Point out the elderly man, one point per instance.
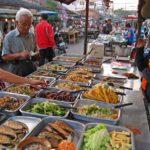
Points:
(19, 44)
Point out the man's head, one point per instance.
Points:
(128, 25)
(24, 20)
(44, 16)
(109, 21)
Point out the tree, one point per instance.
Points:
(52, 4)
(121, 12)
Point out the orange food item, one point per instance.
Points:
(66, 145)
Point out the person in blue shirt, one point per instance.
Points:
(130, 35)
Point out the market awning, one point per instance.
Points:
(19, 3)
(130, 17)
(50, 13)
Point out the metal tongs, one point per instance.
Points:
(115, 107)
(119, 86)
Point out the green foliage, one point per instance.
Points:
(121, 12)
(52, 4)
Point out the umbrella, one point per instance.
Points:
(50, 13)
(130, 17)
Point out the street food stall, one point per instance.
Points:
(83, 93)
(89, 103)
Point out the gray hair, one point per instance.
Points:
(23, 12)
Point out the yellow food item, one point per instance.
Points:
(121, 140)
(102, 92)
(77, 77)
(69, 86)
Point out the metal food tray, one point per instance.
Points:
(90, 65)
(39, 70)
(18, 96)
(62, 59)
(93, 69)
(76, 126)
(73, 55)
(67, 67)
(86, 83)
(119, 80)
(30, 122)
(90, 118)
(40, 100)
(64, 63)
(110, 128)
(2, 117)
(77, 95)
(101, 102)
(65, 81)
(32, 95)
(49, 80)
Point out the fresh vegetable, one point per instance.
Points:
(47, 108)
(98, 138)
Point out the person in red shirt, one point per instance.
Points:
(45, 39)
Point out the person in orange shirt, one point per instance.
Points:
(45, 39)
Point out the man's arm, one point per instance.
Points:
(51, 35)
(23, 55)
(12, 78)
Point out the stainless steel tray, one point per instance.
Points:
(64, 81)
(73, 55)
(21, 92)
(109, 104)
(30, 122)
(64, 59)
(109, 128)
(49, 80)
(77, 95)
(68, 64)
(79, 82)
(99, 65)
(93, 119)
(48, 72)
(49, 69)
(40, 100)
(76, 126)
(92, 69)
(18, 96)
(2, 117)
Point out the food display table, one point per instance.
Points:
(133, 117)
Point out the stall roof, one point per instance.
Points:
(19, 3)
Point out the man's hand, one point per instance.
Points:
(25, 54)
(38, 84)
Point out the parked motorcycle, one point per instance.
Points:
(61, 45)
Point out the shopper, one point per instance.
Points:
(19, 44)
(12, 78)
(108, 26)
(130, 35)
(45, 39)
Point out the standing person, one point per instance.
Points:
(45, 39)
(130, 35)
(18, 44)
(108, 26)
